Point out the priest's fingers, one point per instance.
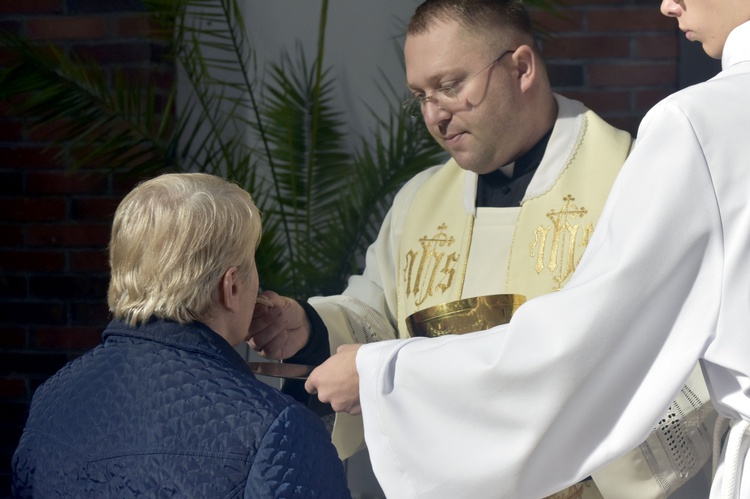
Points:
(280, 330)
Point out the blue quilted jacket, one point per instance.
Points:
(166, 410)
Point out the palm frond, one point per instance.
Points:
(126, 127)
(280, 136)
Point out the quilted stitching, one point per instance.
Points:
(170, 415)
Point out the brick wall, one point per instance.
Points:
(619, 57)
(54, 224)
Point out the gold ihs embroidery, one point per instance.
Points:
(431, 268)
(558, 256)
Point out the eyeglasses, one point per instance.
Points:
(414, 106)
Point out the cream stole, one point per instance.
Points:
(552, 231)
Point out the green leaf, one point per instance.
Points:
(280, 137)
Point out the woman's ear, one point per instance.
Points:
(229, 290)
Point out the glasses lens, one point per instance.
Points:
(412, 107)
(450, 93)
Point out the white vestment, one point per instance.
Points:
(422, 258)
(368, 310)
(580, 376)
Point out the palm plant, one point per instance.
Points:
(281, 139)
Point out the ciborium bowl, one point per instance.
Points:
(464, 316)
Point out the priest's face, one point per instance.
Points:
(473, 106)
(708, 21)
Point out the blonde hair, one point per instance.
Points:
(173, 237)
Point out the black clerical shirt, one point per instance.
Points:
(497, 190)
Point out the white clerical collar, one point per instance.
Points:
(507, 170)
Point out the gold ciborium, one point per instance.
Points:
(464, 316)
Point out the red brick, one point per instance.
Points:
(165, 79)
(32, 261)
(646, 99)
(6, 105)
(135, 26)
(632, 74)
(581, 47)
(125, 182)
(15, 27)
(627, 123)
(12, 337)
(110, 6)
(623, 19)
(68, 235)
(8, 7)
(91, 314)
(162, 79)
(65, 183)
(66, 338)
(566, 75)
(11, 235)
(119, 53)
(95, 208)
(11, 388)
(13, 286)
(87, 261)
(603, 101)
(657, 47)
(86, 163)
(78, 286)
(46, 49)
(11, 130)
(29, 157)
(565, 21)
(6, 59)
(47, 132)
(37, 364)
(11, 182)
(32, 209)
(33, 313)
(67, 28)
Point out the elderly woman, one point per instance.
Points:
(165, 406)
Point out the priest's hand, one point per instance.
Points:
(280, 327)
(336, 381)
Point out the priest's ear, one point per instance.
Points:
(525, 60)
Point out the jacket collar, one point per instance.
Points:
(194, 337)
